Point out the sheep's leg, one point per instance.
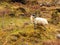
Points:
(44, 27)
(35, 26)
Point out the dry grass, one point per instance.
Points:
(27, 35)
(19, 31)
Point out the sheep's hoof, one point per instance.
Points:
(44, 30)
(35, 28)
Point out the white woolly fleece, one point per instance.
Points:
(39, 20)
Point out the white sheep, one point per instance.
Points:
(38, 21)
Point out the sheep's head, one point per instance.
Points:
(34, 15)
(32, 18)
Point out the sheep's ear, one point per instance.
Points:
(33, 14)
